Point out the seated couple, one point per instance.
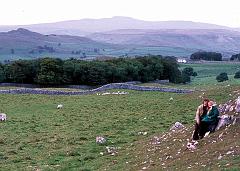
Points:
(206, 119)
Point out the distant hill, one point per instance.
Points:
(221, 40)
(87, 26)
(22, 43)
(114, 37)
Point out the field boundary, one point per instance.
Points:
(100, 89)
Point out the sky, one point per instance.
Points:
(21, 12)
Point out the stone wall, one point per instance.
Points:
(103, 88)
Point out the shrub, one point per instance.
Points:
(209, 56)
(185, 78)
(222, 77)
(188, 71)
(194, 74)
(237, 74)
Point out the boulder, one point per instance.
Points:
(3, 117)
(177, 126)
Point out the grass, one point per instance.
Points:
(37, 136)
(46, 136)
(206, 78)
(213, 69)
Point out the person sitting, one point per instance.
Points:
(211, 118)
(206, 119)
(200, 127)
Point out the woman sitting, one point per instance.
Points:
(206, 119)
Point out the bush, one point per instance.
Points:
(235, 57)
(237, 74)
(194, 74)
(208, 56)
(222, 77)
(188, 71)
(185, 78)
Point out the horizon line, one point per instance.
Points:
(54, 22)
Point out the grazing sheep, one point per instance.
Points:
(122, 93)
(60, 106)
(3, 117)
(171, 98)
(106, 93)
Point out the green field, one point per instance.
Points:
(37, 136)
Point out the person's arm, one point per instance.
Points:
(197, 117)
(214, 113)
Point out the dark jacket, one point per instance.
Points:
(212, 116)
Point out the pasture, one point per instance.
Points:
(38, 136)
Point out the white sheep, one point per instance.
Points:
(3, 117)
(60, 106)
(107, 93)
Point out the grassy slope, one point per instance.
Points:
(38, 136)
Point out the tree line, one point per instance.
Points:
(208, 56)
(54, 71)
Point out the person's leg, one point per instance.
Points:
(196, 132)
(203, 129)
(212, 127)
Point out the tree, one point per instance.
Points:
(185, 78)
(2, 73)
(170, 70)
(50, 71)
(222, 77)
(235, 57)
(22, 71)
(194, 74)
(12, 51)
(208, 56)
(237, 74)
(188, 71)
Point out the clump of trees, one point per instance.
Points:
(235, 57)
(53, 71)
(187, 73)
(237, 74)
(222, 77)
(208, 56)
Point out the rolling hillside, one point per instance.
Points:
(225, 41)
(22, 43)
(117, 36)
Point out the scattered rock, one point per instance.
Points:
(192, 145)
(229, 152)
(220, 157)
(100, 140)
(224, 120)
(112, 150)
(177, 126)
(3, 117)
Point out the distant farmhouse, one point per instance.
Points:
(181, 60)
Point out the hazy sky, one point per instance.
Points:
(222, 12)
